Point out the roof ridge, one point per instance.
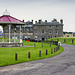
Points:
(8, 18)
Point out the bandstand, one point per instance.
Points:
(7, 20)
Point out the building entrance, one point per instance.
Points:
(43, 38)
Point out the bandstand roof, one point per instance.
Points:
(7, 19)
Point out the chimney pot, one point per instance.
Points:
(61, 21)
(45, 20)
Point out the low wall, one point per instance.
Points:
(11, 44)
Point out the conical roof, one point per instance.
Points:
(7, 19)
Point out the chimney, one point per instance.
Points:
(23, 20)
(35, 22)
(45, 20)
(32, 21)
(54, 19)
(40, 21)
(61, 21)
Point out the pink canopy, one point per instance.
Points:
(10, 19)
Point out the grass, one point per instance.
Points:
(7, 55)
(7, 40)
(61, 39)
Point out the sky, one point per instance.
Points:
(42, 9)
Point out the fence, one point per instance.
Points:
(40, 53)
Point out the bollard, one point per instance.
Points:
(42, 45)
(72, 40)
(50, 45)
(46, 52)
(64, 40)
(34, 44)
(54, 50)
(58, 47)
(39, 53)
(57, 39)
(28, 54)
(51, 51)
(16, 56)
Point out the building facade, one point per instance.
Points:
(42, 30)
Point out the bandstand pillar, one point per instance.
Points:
(20, 33)
(9, 32)
(14, 34)
(3, 34)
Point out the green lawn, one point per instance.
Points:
(61, 39)
(7, 55)
(7, 40)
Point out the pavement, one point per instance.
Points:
(62, 64)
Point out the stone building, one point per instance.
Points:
(68, 35)
(38, 31)
(46, 30)
(43, 30)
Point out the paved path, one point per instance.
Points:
(62, 64)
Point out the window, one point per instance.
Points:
(28, 37)
(15, 37)
(56, 26)
(55, 36)
(43, 31)
(31, 29)
(25, 37)
(50, 26)
(17, 27)
(11, 27)
(20, 36)
(56, 32)
(36, 31)
(27, 29)
(50, 32)
(36, 37)
(48, 36)
(23, 28)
